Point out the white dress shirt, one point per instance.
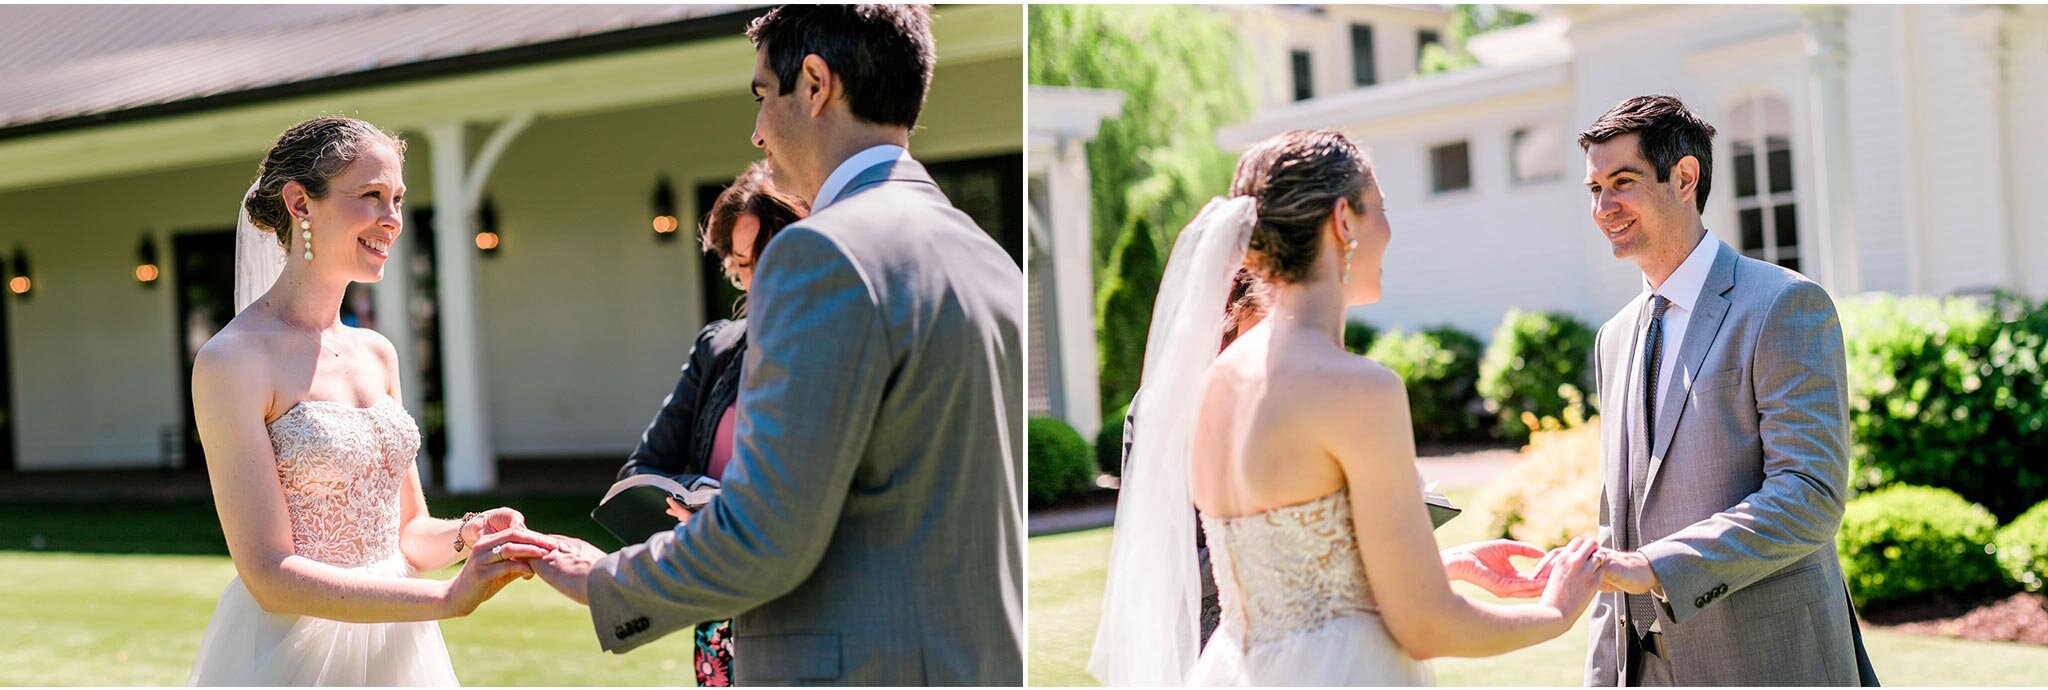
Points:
(1682, 287)
(842, 175)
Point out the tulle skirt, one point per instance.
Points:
(1355, 650)
(248, 646)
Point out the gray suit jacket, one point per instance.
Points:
(1748, 475)
(871, 527)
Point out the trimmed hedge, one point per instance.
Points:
(1950, 393)
(1060, 463)
(1123, 312)
(1109, 443)
(1359, 336)
(1905, 542)
(1533, 359)
(2023, 549)
(1441, 369)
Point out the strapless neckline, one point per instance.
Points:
(1303, 505)
(382, 400)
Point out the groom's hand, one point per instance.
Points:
(1488, 564)
(1628, 572)
(567, 568)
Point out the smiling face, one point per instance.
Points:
(779, 130)
(1643, 220)
(355, 226)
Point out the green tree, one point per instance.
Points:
(1123, 312)
(1466, 21)
(1180, 70)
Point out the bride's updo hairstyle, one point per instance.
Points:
(311, 153)
(1296, 179)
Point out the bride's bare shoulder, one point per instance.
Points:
(239, 352)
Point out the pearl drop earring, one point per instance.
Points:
(306, 231)
(1350, 245)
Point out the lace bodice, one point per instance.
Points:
(342, 468)
(1288, 570)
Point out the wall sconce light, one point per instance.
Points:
(20, 284)
(146, 270)
(487, 238)
(665, 223)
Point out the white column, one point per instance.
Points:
(392, 298)
(471, 463)
(1827, 66)
(1074, 285)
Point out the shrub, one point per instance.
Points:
(1059, 461)
(1123, 312)
(1441, 369)
(2023, 549)
(1536, 362)
(1905, 542)
(1359, 335)
(1109, 443)
(1950, 393)
(1553, 492)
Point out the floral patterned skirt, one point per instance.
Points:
(714, 655)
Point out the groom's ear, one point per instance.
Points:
(1686, 173)
(815, 84)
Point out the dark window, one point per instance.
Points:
(1780, 159)
(991, 191)
(1766, 212)
(1450, 167)
(1362, 71)
(1304, 78)
(1745, 169)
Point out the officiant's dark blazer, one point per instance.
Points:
(678, 440)
(870, 530)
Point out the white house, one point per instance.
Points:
(1891, 148)
(1063, 368)
(538, 310)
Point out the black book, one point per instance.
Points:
(636, 508)
(1440, 508)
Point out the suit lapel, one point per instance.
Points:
(1708, 312)
(1613, 395)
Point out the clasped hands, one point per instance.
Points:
(1489, 564)
(504, 549)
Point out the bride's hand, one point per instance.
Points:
(1574, 578)
(678, 511)
(491, 522)
(497, 560)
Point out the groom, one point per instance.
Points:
(870, 529)
(1726, 452)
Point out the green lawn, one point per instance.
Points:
(1067, 573)
(91, 609)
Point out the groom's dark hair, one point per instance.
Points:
(883, 54)
(1666, 133)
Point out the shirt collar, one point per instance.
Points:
(843, 175)
(1684, 285)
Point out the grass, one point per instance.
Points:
(120, 594)
(1067, 571)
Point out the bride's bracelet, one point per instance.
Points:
(460, 546)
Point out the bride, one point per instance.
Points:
(309, 452)
(1300, 458)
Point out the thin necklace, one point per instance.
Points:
(302, 333)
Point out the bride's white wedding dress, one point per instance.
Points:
(342, 468)
(1297, 609)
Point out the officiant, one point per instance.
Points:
(692, 433)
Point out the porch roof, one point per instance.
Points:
(78, 66)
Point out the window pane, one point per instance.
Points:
(1450, 167)
(1362, 72)
(1423, 39)
(1532, 154)
(1789, 261)
(1304, 84)
(1745, 171)
(1787, 229)
(1781, 164)
(1752, 228)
